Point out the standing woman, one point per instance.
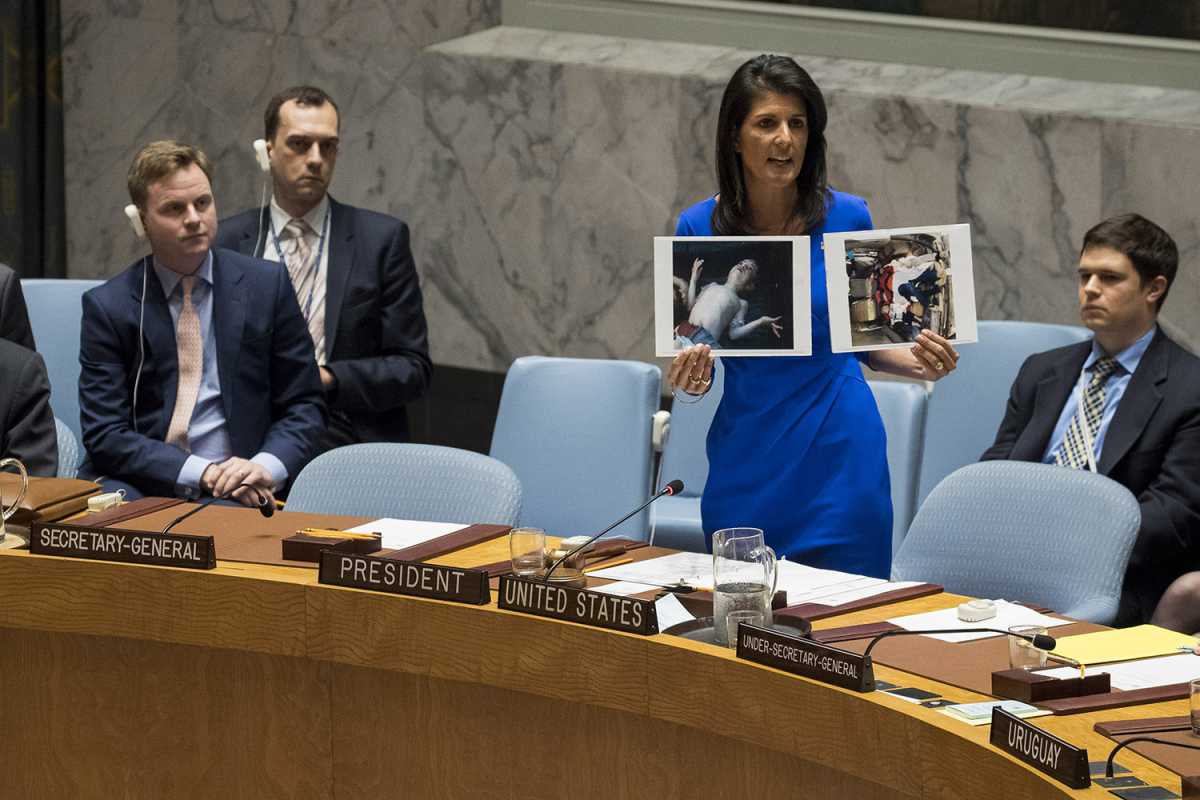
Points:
(797, 447)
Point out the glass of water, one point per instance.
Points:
(1021, 652)
(527, 548)
(1194, 686)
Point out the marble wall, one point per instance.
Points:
(203, 70)
(558, 156)
(535, 167)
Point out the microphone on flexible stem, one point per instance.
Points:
(265, 506)
(674, 487)
(1039, 640)
(1108, 768)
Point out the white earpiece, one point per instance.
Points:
(135, 220)
(261, 156)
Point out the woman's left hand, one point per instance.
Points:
(936, 357)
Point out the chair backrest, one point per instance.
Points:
(902, 407)
(1020, 531)
(56, 314)
(684, 454)
(966, 407)
(577, 433)
(68, 450)
(408, 481)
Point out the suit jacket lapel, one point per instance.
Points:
(229, 316)
(158, 331)
(248, 245)
(1050, 397)
(1138, 403)
(337, 273)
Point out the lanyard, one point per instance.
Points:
(316, 264)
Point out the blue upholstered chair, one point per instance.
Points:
(408, 481)
(1020, 531)
(677, 519)
(68, 450)
(902, 407)
(55, 314)
(578, 434)
(966, 407)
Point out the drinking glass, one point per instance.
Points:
(527, 548)
(5, 513)
(751, 616)
(1021, 652)
(744, 576)
(1194, 687)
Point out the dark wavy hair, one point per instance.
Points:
(1148, 247)
(781, 75)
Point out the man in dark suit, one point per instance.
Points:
(14, 316)
(352, 270)
(1126, 404)
(197, 372)
(27, 430)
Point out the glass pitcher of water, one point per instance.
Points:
(744, 576)
(5, 513)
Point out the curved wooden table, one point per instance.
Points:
(255, 681)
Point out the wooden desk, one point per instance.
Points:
(254, 681)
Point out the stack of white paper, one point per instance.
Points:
(1007, 615)
(1143, 673)
(401, 533)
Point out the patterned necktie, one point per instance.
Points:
(1073, 452)
(303, 272)
(190, 355)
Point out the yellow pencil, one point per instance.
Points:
(329, 533)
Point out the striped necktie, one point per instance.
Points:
(305, 274)
(1073, 452)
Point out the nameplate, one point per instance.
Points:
(578, 605)
(413, 578)
(132, 547)
(1040, 750)
(806, 658)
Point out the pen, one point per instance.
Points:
(1183, 648)
(328, 533)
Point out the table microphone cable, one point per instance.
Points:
(264, 505)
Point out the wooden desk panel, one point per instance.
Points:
(282, 688)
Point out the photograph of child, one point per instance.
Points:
(897, 283)
(739, 296)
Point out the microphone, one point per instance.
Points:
(672, 488)
(265, 506)
(1108, 768)
(1040, 640)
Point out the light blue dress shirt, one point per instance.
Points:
(1114, 389)
(208, 434)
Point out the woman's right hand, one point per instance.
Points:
(691, 370)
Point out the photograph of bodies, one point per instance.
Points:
(742, 297)
(893, 284)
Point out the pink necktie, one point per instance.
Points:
(190, 354)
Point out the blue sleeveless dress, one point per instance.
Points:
(797, 447)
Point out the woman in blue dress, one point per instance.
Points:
(796, 447)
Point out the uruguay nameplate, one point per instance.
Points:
(806, 658)
(112, 544)
(578, 605)
(414, 578)
(1042, 751)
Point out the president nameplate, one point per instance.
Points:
(1043, 751)
(132, 547)
(578, 605)
(806, 658)
(412, 578)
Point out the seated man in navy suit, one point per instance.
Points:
(352, 270)
(197, 372)
(1125, 405)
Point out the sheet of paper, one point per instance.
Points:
(695, 569)
(670, 612)
(1122, 644)
(1143, 673)
(623, 588)
(1007, 615)
(861, 593)
(401, 533)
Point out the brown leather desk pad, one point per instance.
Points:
(242, 534)
(1176, 759)
(47, 499)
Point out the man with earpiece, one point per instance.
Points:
(196, 369)
(352, 271)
